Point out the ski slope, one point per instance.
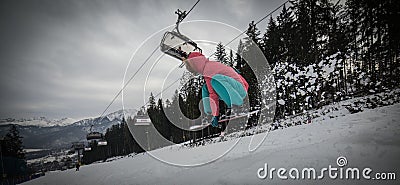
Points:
(367, 139)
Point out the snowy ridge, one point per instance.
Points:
(41, 122)
(45, 122)
(115, 116)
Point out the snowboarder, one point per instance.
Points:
(77, 165)
(222, 82)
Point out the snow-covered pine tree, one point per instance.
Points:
(220, 54)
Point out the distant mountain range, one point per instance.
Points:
(38, 121)
(49, 134)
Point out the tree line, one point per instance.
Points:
(119, 142)
(325, 51)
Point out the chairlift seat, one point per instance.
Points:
(177, 45)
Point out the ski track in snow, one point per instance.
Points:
(367, 139)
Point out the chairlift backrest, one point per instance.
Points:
(177, 45)
(102, 143)
(94, 135)
(142, 120)
(78, 145)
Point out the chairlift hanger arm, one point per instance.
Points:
(182, 15)
(148, 58)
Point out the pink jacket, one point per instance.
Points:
(208, 69)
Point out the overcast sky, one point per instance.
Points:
(67, 58)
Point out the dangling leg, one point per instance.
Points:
(230, 91)
(206, 100)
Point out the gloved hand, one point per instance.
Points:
(214, 121)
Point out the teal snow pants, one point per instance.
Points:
(228, 89)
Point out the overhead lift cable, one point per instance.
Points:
(181, 16)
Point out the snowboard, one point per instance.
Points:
(229, 118)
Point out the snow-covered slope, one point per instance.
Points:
(367, 139)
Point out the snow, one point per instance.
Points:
(367, 139)
(302, 92)
(281, 102)
(29, 150)
(43, 159)
(328, 69)
(57, 156)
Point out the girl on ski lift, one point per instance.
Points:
(222, 82)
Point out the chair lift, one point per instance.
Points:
(174, 43)
(142, 120)
(96, 136)
(93, 135)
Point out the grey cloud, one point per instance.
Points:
(67, 58)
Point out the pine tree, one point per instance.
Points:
(220, 54)
(253, 33)
(272, 43)
(152, 103)
(285, 36)
(14, 147)
(231, 60)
